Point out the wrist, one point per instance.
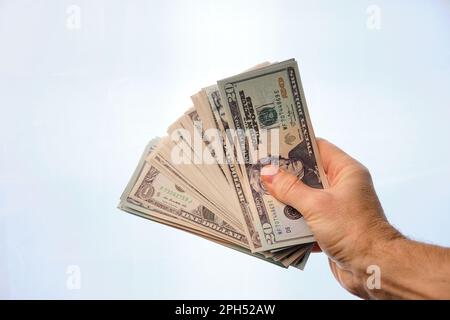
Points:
(374, 243)
(379, 247)
(400, 268)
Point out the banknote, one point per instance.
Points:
(216, 106)
(195, 181)
(154, 190)
(264, 101)
(198, 220)
(124, 207)
(153, 193)
(204, 178)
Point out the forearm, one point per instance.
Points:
(408, 270)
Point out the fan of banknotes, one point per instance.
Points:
(204, 177)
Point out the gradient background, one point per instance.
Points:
(78, 106)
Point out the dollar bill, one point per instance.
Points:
(217, 109)
(259, 117)
(198, 220)
(261, 101)
(154, 190)
(192, 179)
(150, 192)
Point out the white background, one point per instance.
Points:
(78, 106)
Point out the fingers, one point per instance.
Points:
(347, 280)
(288, 189)
(334, 160)
(329, 154)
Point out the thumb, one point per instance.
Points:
(288, 189)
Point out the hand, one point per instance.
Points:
(346, 219)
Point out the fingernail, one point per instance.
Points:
(268, 173)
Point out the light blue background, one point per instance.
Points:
(79, 105)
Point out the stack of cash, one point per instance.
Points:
(204, 177)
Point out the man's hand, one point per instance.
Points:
(349, 225)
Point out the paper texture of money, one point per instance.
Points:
(204, 176)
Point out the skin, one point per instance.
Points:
(350, 227)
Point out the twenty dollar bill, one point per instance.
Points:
(271, 100)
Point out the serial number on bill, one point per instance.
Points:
(226, 309)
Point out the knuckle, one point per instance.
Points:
(288, 186)
(364, 171)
